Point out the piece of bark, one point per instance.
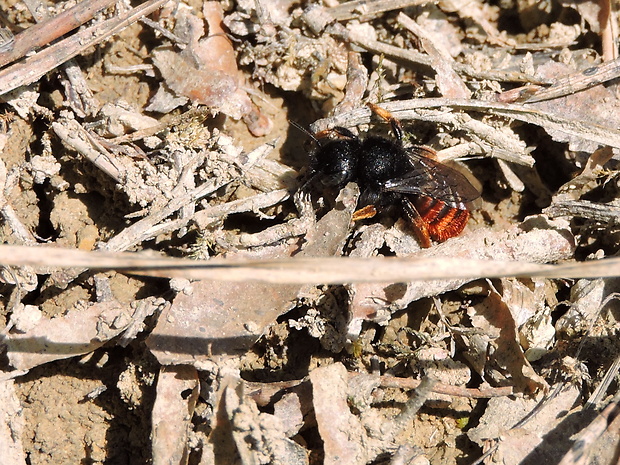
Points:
(172, 414)
(342, 433)
(78, 332)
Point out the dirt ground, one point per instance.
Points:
(185, 146)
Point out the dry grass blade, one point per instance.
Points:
(306, 270)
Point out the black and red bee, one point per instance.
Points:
(434, 197)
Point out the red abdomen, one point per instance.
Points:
(442, 220)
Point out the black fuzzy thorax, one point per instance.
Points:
(380, 160)
(369, 163)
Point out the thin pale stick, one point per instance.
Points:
(304, 270)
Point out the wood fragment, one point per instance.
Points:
(254, 203)
(343, 435)
(357, 81)
(608, 418)
(177, 393)
(413, 405)
(33, 68)
(609, 30)
(78, 94)
(604, 212)
(47, 32)
(585, 79)
(20, 232)
(264, 393)
(423, 62)
(76, 137)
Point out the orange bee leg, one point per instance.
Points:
(420, 226)
(397, 128)
(369, 211)
(334, 133)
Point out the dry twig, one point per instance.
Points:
(48, 31)
(33, 68)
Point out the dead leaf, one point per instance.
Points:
(586, 297)
(544, 439)
(216, 319)
(531, 314)
(206, 70)
(498, 328)
(578, 107)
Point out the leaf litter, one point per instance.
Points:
(173, 139)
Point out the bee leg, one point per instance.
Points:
(336, 133)
(419, 225)
(397, 128)
(369, 211)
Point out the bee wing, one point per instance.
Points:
(431, 178)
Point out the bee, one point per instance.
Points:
(435, 198)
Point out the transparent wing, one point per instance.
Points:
(431, 178)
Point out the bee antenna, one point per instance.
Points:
(304, 130)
